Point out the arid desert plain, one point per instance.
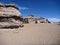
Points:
(31, 34)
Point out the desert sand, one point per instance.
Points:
(31, 34)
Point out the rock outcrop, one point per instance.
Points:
(43, 20)
(32, 19)
(10, 17)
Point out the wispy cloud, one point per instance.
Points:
(54, 19)
(23, 8)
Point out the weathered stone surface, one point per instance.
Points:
(32, 19)
(10, 17)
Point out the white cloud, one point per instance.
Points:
(23, 8)
(54, 19)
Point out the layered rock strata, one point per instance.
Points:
(10, 17)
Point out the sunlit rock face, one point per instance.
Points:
(10, 17)
(31, 18)
(43, 20)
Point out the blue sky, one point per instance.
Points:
(39, 8)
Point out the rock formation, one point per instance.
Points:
(43, 20)
(31, 18)
(10, 17)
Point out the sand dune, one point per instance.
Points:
(32, 34)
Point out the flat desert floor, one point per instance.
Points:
(31, 34)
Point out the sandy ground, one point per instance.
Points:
(32, 34)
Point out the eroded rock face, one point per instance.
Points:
(9, 22)
(10, 17)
